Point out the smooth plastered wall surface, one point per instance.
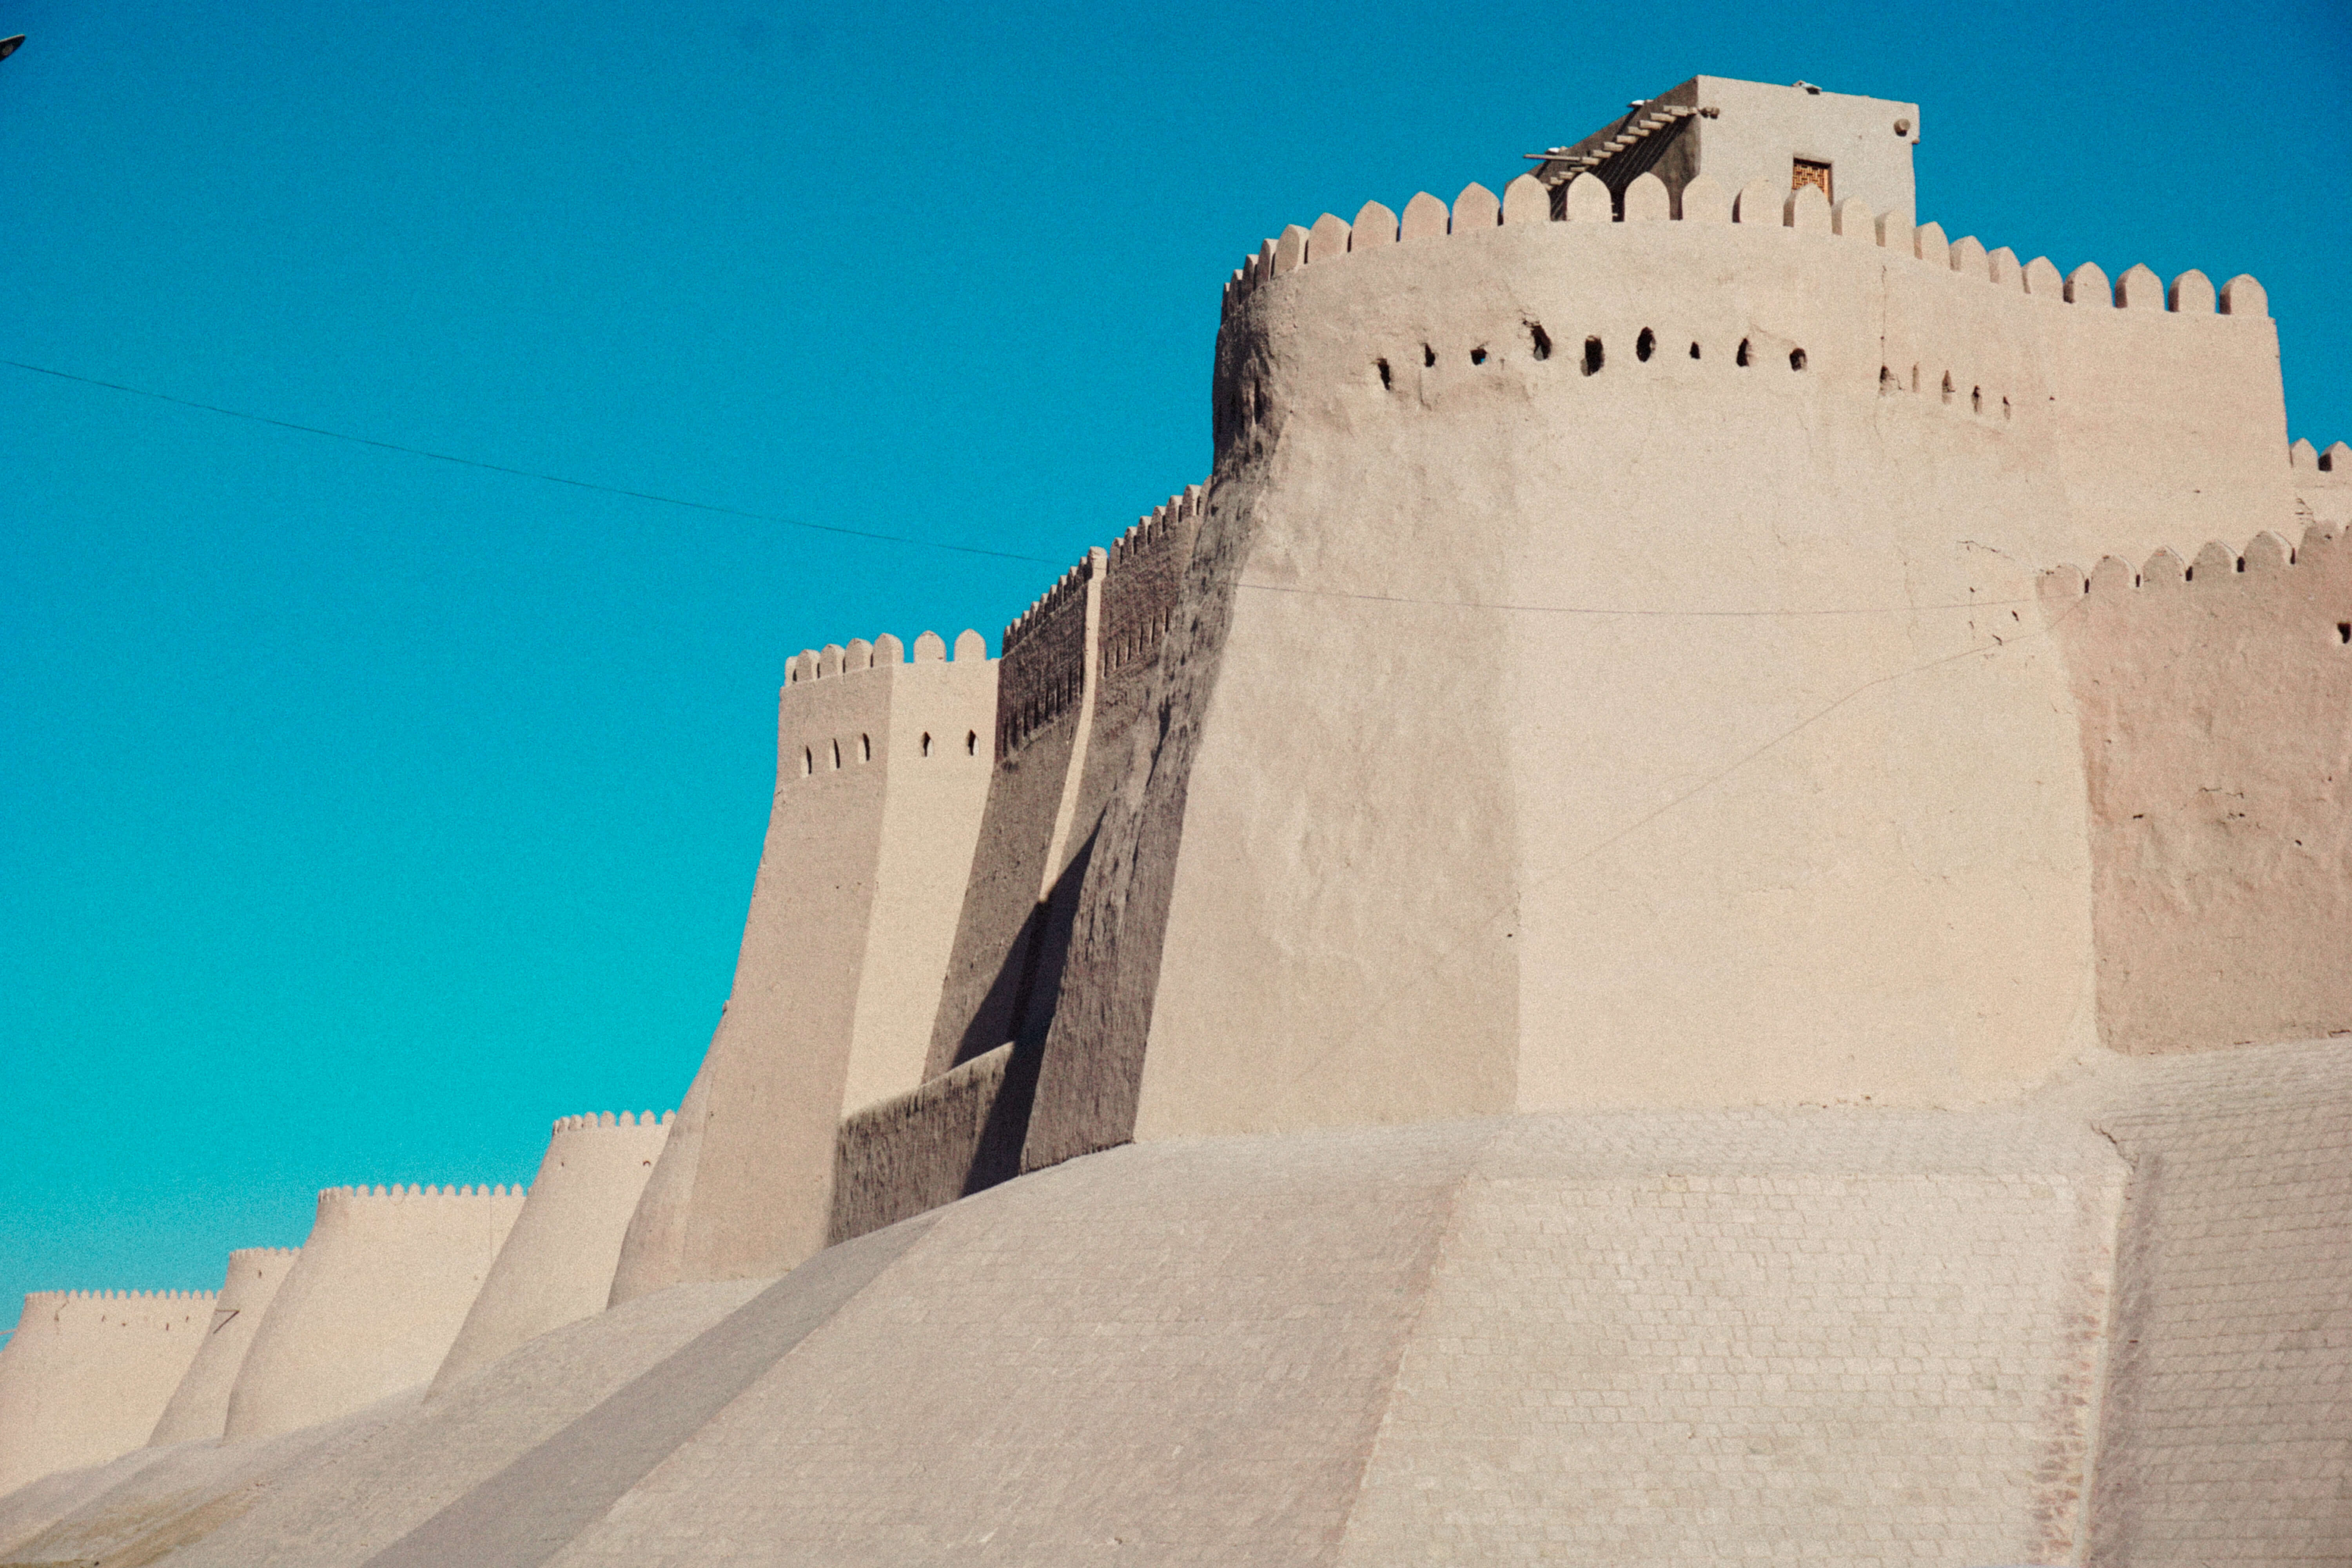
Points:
(371, 1307)
(1690, 700)
(557, 1264)
(882, 775)
(87, 1373)
(199, 1407)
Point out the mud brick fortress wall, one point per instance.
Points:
(1716, 859)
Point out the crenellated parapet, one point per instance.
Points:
(607, 1119)
(2214, 695)
(87, 1373)
(2322, 477)
(883, 757)
(1077, 667)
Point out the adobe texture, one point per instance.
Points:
(1603, 946)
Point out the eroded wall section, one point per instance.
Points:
(2215, 699)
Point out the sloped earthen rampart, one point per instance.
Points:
(557, 1264)
(87, 1373)
(370, 1307)
(1690, 736)
(199, 1405)
(882, 774)
(2215, 702)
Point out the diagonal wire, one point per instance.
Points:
(530, 473)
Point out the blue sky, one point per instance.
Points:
(358, 814)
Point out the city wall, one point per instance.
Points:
(557, 1264)
(1699, 742)
(88, 1373)
(882, 774)
(199, 1405)
(2215, 702)
(371, 1307)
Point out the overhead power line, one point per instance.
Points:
(881, 538)
(532, 473)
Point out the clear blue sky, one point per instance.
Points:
(358, 814)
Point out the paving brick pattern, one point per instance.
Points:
(1169, 1354)
(2228, 1432)
(1859, 1339)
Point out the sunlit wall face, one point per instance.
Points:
(359, 813)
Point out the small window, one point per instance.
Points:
(927, 744)
(865, 748)
(1976, 400)
(1949, 390)
(836, 755)
(1796, 359)
(1478, 356)
(1593, 356)
(971, 743)
(808, 762)
(1645, 345)
(1740, 359)
(1804, 171)
(1693, 350)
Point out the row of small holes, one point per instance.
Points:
(1595, 354)
(866, 751)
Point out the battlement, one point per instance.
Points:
(1760, 203)
(2335, 460)
(625, 1119)
(2216, 565)
(397, 1193)
(51, 1298)
(885, 652)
